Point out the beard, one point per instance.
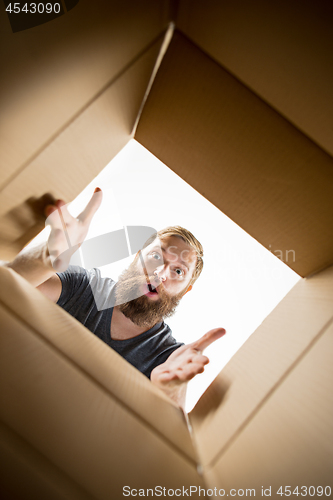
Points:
(140, 310)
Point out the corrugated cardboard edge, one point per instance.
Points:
(266, 360)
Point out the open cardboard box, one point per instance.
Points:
(240, 108)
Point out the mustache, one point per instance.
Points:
(133, 302)
(135, 280)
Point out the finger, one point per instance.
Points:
(193, 356)
(189, 356)
(208, 338)
(92, 206)
(193, 369)
(200, 358)
(189, 371)
(181, 374)
(167, 376)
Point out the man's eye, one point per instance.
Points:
(155, 256)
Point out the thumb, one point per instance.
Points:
(208, 338)
(95, 202)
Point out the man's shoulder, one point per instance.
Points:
(101, 288)
(93, 275)
(78, 280)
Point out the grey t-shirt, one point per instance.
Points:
(145, 352)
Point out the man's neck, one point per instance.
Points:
(123, 328)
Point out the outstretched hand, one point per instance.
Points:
(182, 365)
(67, 232)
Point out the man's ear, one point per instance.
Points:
(188, 289)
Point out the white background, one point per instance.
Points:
(241, 282)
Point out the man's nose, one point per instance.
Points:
(160, 273)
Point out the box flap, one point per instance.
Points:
(38, 477)
(281, 50)
(71, 340)
(243, 156)
(65, 393)
(261, 365)
(65, 165)
(289, 439)
(52, 72)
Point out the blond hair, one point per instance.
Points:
(189, 238)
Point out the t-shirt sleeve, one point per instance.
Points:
(73, 282)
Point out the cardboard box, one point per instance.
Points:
(240, 108)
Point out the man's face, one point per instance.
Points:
(151, 288)
(171, 262)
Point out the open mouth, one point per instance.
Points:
(152, 289)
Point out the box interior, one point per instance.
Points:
(240, 108)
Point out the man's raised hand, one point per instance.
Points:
(182, 365)
(67, 232)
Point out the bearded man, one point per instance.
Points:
(128, 315)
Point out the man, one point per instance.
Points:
(131, 321)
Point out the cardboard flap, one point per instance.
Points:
(243, 156)
(26, 474)
(289, 439)
(52, 72)
(72, 159)
(261, 365)
(281, 50)
(67, 393)
(69, 338)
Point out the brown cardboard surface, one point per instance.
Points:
(66, 165)
(289, 442)
(282, 50)
(26, 474)
(51, 72)
(66, 337)
(261, 365)
(67, 417)
(242, 155)
(76, 409)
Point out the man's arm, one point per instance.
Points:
(182, 365)
(39, 264)
(34, 264)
